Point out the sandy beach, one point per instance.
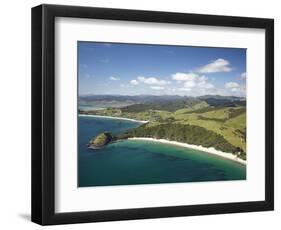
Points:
(117, 118)
(211, 150)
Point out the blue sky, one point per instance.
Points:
(133, 69)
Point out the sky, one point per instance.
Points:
(135, 69)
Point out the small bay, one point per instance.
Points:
(132, 162)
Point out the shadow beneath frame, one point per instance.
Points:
(25, 216)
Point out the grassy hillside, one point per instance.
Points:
(170, 106)
(222, 121)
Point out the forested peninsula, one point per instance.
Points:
(218, 122)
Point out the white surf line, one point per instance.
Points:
(117, 118)
(210, 150)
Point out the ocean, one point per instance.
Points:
(131, 162)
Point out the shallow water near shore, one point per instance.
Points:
(132, 162)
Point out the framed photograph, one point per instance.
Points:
(141, 114)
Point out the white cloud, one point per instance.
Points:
(112, 78)
(235, 88)
(243, 75)
(126, 86)
(219, 65)
(157, 87)
(189, 84)
(134, 82)
(184, 89)
(202, 79)
(205, 85)
(149, 81)
(152, 81)
(184, 76)
(231, 85)
(193, 82)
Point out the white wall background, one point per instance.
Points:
(15, 114)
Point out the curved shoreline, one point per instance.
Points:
(110, 117)
(211, 150)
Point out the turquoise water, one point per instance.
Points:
(143, 162)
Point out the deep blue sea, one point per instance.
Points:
(132, 162)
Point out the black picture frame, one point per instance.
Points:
(43, 114)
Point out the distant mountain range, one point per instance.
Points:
(126, 100)
(135, 98)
